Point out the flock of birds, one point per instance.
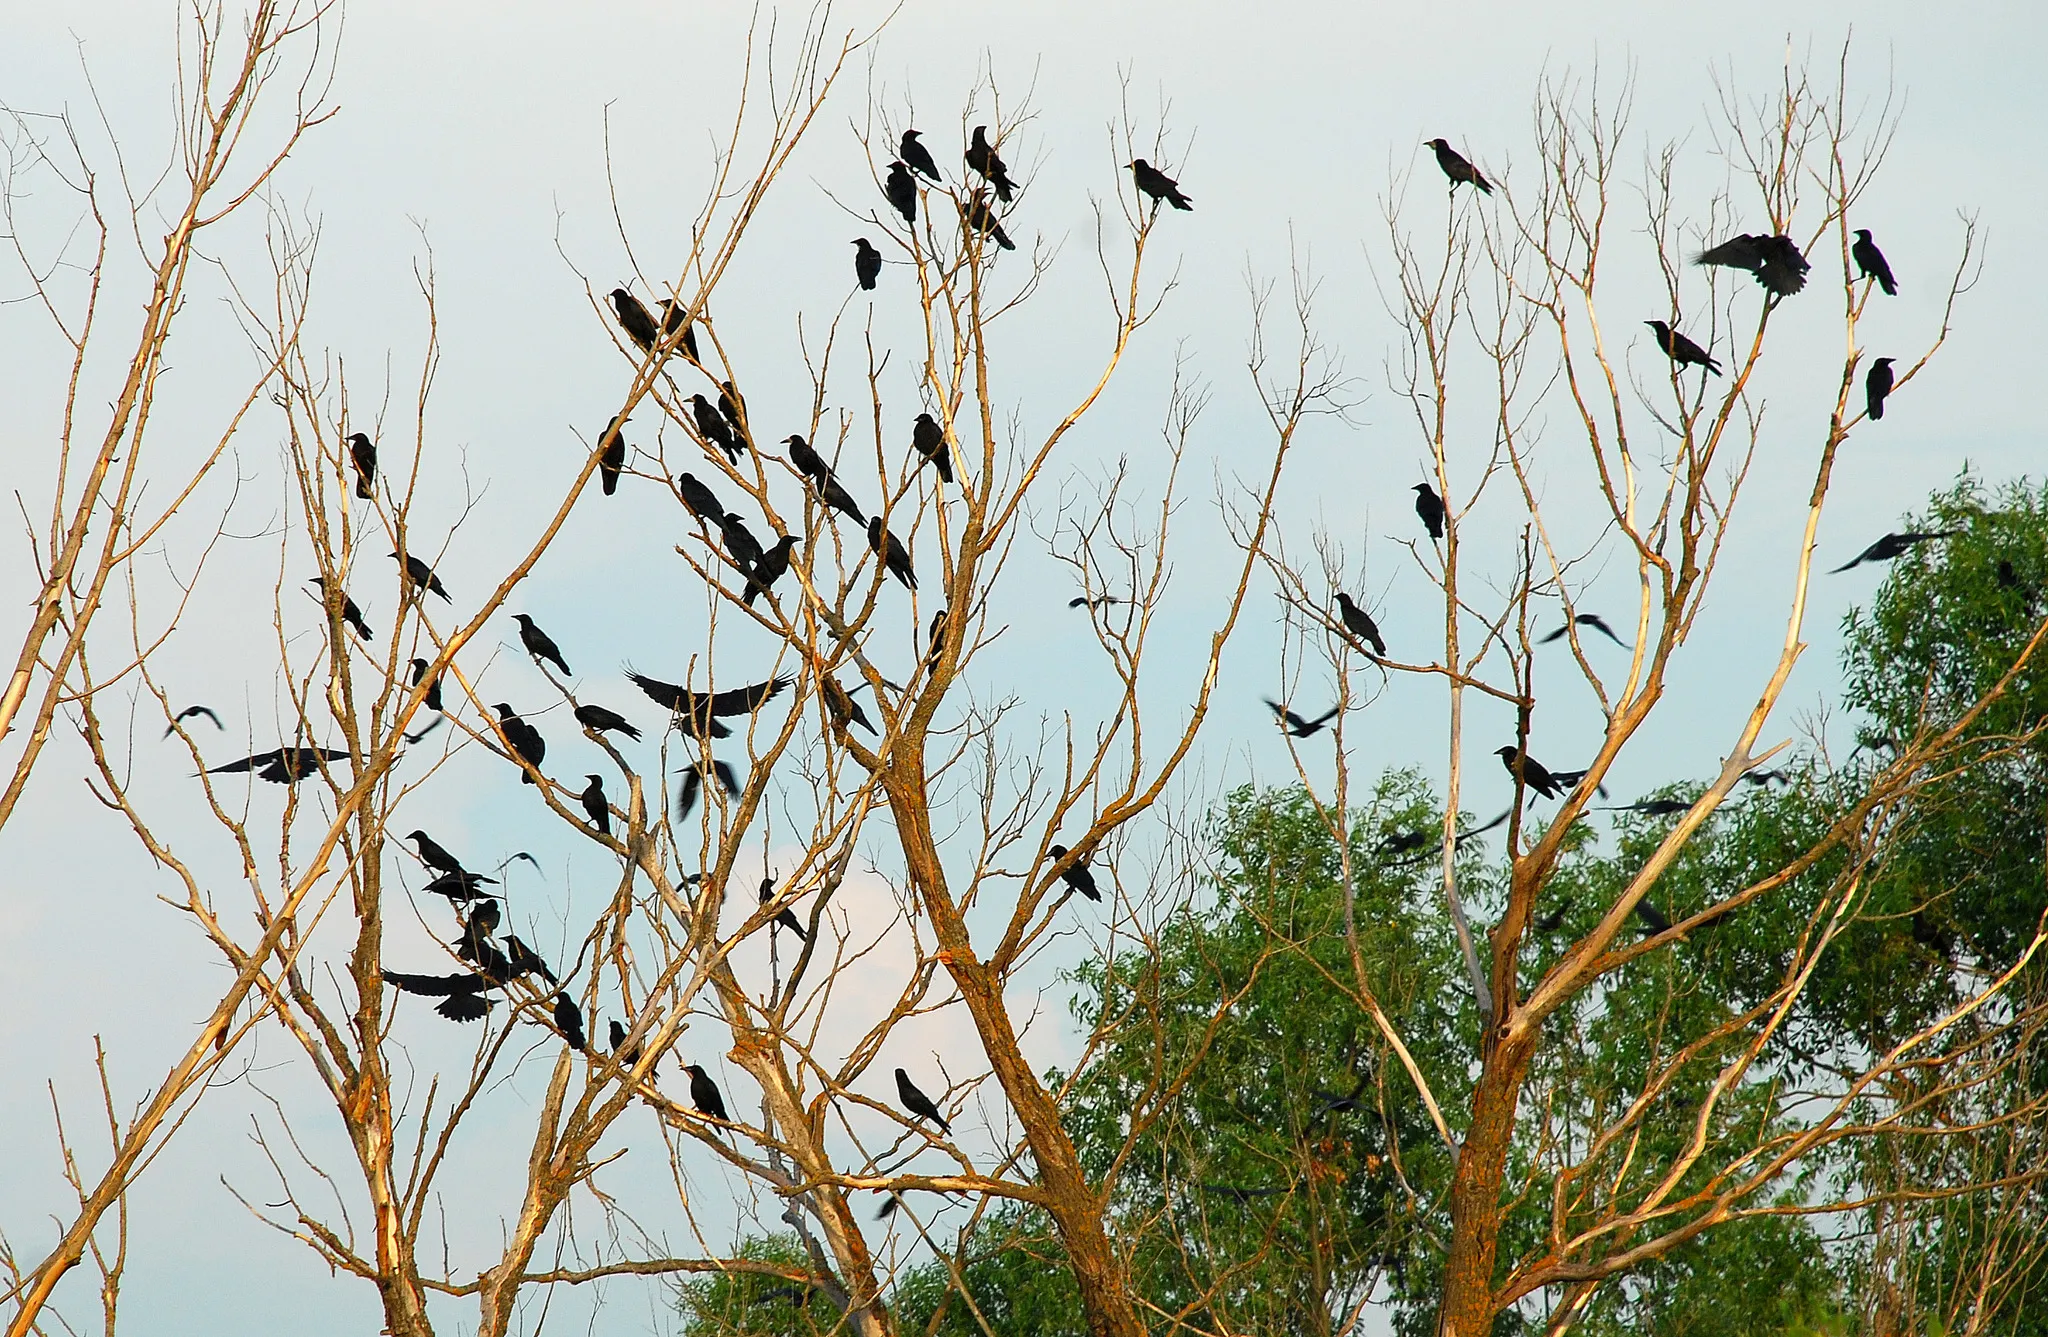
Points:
(494, 961)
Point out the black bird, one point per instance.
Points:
(929, 439)
(983, 159)
(1775, 262)
(714, 428)
(732, 407)
(901, 189)
(892, 552)
(1765, 779)
(1360, 624)
(285, 766)
(612, 462)
(598, 720)
(1529, 771)
(524, 741)
(539, 644)
(459, 992)
(432, 725)
(1456, 167)
(1653, 919)
(2008, 578)
(523, 960)
(634, 319)
(569, 1018)
(1894, 545)
(594, 804)
(1682, 351)
(1151, 181)
(1404, 842)
(701, 709)
(867, 264)
(1099, 601)
(349, 612)
(976, 214)
(1870, 262)
(783, 917)
(916, 156)
(1077, 875)
(483, 918)
(839, 703)
(1655, 807)
(629, 1058)
(433, 856)
(1876, 386)
(675, 316)
(918, 1103)
(1593, 620)
(812, 466)
(769, 568)
(422, 576)
(475, 947)
(1297, 727)
(1570, 780)
(704, 1094)
(1549, 923)
(888, 1207)
(363, 455)
(935, 640)
(693, 782)
(740, 542)
(1430, 507)
(461, 887)
(700, 500)
(189, 711)
(433, 697)
(1330, 1102)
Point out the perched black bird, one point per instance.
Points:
(1877, 386)
(1295, 726)
(693, 782)
(1871, 264)
(901, 189)
(918, 1103)
(700, 500)
(1593, 620)
(523, 960)
(1360, 624)
(929, 439)
(916, 156)
(523, 739)
(812, 466)
(867, 264)
(483, 918)
(700, 709)
(569, 1018)
(740, 542)
(1456, 167)
(1893, 545)
(704, 1094)
(1653, 919)
(1077, 875)
(634, 319)
(461, 887)
(475, 947)
(1775, 262)
(349, 612)
(935, 640)
(190, 711)
(983, 159)
(714, 428)
(1549, 923)
(629, 1058)
(888, 1207)
(598, 720)
(1529, 771)
(1430, 507)
(433, 856)
(1682, 351)
(433, 696)
(459, 993)
(732, 407)
(769, 568)
(612, 462)
(676, 316)
(892, 552)
(783, 917)
(362, 454)
(286, 766)
(422, 576)
(539, 644)
(976, 214)
(1151, 181)
(839, 703)
(594, 803)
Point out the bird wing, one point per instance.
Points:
(746, 700)
(438, 986)
(668, 694)
(725, 777)
(1324, 718)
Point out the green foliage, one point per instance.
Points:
(750, 1304)
(1017, 1276)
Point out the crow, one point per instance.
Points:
(634, 319)
(935, 640)
(1871, 264)
(1157, 184)
(1099, 601)
(1529, 771)
(918, 1103)
(1593, 620)
(867, 264)
(733, 408)
(1775, 262)
(1655, 807)
(693, 781)
(285, 766)
(461, 887)
(349, 612)
(539, 644)
(1456, 167)
(1653, 919)
(840, 705)
(1076, 875)
(769, 569)
(569, 1018)
(594, 803)
(422, 576)
(432, 725)
(704, 1094)
(612, 462)
(916, 156)
(433, 697)
(434, 857)
(458, 992)
(187, 713)
(983, 159)
(523, 960)
(675, 316)
(1430, 507)
(1893, 545)
(783, 917)
(523, 740)
(901, 189)
(699, 500)
(1549, 923)
(1294, 726)
(628, 1058)
(740, 542)
(1765, 779)
(1877, 386)
(1682, 351)
(362, 454)
(1360, 624)
(812, 466)
(892, 552)
(715, 428)
(701, 709)
(976, 214)
(597, 719)
(929, 439)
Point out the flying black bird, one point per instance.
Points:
(349, 612)
(1456, 167)
(699, 500)
(1360, 624)
(676, 316)
(732, 407)
(1765, 779)
(1593, 620)
(1430, 507)
(598, 719)
(569, 1018)
(916, 156)
(362, 454)
(1297, 727)
(1099, 601)
(693, 781)
(1682, 351)
(1894, 545)
(524, 741)
(935, 640)
(841, 706)
(459, 992)
(704, 1094)
(594, 804)
(892, 553)
(1404, 842)
(976, 214)
(432, 725)
(901, 189)
(714, 428)
(1653, 919)
(634, 319)
(1529, 771)
(1655, 807)
(186, 714)
(918, 1103)
(888, 1207)
(1151, 181)
(433, 697)
(700, 709)
(1876, 386)
(422, 576)
(612, 462)
(461, 887)
(538, 643)
(1871, 264)
(812, 466)
(783, 917)
(867, 264)
(1331, 1102)
(285, 766)
(930, 441)
(769, 568)
(1077, 875)
(1775, 261)
(1549, 923)
(523, 960)
(983, 159)
(433, 856)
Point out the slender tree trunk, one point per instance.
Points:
(1468, 1305)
